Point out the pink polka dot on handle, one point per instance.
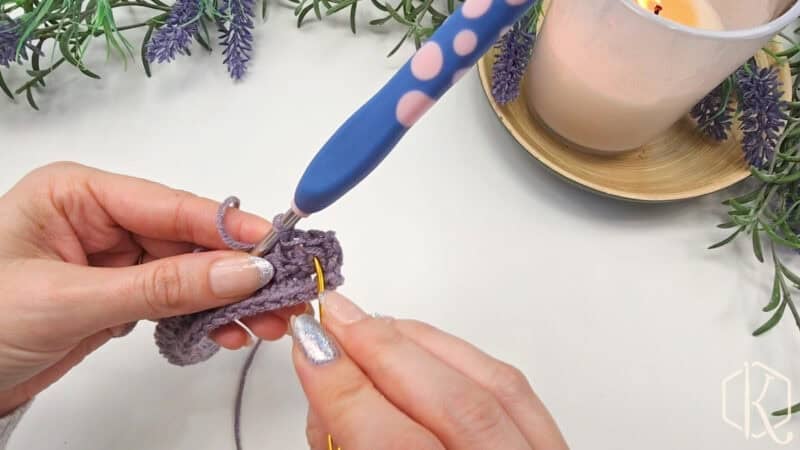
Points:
(465, 42)
(412, 106)
(473, 9)
(427, 62)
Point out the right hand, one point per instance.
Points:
(379, 383)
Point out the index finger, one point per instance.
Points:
(156, 211)
(346, 403)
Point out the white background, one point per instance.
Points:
(622, 320)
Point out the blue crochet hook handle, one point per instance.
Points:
(365, 139)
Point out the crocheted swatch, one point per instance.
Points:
(184, 340)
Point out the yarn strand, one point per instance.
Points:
(237, 408)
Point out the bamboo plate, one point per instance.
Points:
(678, 165)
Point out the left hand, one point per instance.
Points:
(70, 240)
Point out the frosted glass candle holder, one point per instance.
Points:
(610, 76)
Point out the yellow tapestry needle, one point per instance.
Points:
(320, 283)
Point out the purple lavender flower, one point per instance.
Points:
(236, 34)
(175, 36)
(516, 47)
(763, 113)
(714, 114)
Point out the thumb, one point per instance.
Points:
(105, 297)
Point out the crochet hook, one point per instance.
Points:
(364, 140)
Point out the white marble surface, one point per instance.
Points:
(624, 323)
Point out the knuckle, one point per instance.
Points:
(347, 395)
(473, 412)
(183, 225)
(162, 287)
(509, 383)
(57, 166)
(375, 344)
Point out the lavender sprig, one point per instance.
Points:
(9, 41)
(516, 48)
(236, 35)
(763, 112)
(175, 36)
(714, 114)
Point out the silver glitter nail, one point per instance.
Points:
(317, 346)
(265, 269)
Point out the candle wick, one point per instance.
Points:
(658, 9)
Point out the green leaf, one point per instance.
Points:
(775, 237)
(727, 240)
(202, 42)
(5, 88)
(339, 6)
(30, 25)
(145, 41)
(380, 21)
(727, 225)
(775, 298)
(397, 47)
(263, 9)
(317, 12)
(35, 59)
(353, 16)
(29, 96)
(764, 176)
(379, 5)
(757, 250)
(776, 317)
(400, 19)
(790, 275)
(783, 412)
(302, 15)
(746, 198)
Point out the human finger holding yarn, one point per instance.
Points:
(84, 254)
(381, 383)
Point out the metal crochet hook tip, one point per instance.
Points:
(288, 221)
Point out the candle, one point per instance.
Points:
(609, 79)
(692, 13)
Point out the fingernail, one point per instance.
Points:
(340, 309)
(239, 275)
(309, 335)
(380, 316)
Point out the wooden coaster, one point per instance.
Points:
(680, 164)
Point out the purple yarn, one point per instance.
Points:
(184, 340)
(233, 244)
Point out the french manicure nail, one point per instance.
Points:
(341, 309)
(239, 275)
(309, 335)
